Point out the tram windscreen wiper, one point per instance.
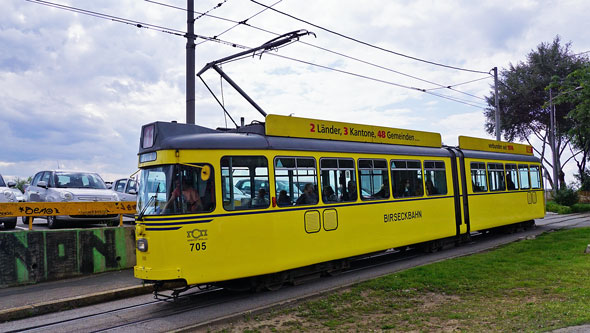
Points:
(142, 213)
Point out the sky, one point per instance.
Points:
(76, 89)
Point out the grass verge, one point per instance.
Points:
(531, 285)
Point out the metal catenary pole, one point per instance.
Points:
(190, 62)
(498, 130)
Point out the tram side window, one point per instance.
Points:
(436, 177)
(406, 179)
(373, 179)
(296, 181)
(536, 177)
(523, 171)
(244, 181)
(478, 177)
(338, 180)
(511, 177)
(187, 192)
(496, 177)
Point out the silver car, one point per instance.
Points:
(64, 186)
(126, 189)
(6, 195)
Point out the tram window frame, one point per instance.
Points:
(185, 192)
(338, 175)
(476, 182)
(415, 181)
(376, 175)
(253, 168)
(432, 170)
(520, 177)
(496, 177)
(297, 167)
(539, 183)
(512, 173)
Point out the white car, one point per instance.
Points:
(6, 195)
(64, 186)
(20, 196)
(126, 189)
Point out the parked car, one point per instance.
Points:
(6, 195)
(63, 186)
(126, 189)
(20, 196)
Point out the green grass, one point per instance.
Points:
(531, 285)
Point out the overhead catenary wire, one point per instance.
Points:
(183, 34)
(118, 19)
(244, 22)
(368, 44)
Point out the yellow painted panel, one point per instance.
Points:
(470, 143)
(277, 125)
(312, 221)
(330, 219)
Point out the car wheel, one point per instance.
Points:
(25, 219)
(10, 225)
(52, 222)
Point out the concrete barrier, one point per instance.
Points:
(34, 256)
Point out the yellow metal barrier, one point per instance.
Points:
(33, 209)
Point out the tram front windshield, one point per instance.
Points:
(175, 189)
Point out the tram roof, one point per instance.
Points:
(252, 137)
(185, 136)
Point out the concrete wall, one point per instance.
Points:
(34, 256)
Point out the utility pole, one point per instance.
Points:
(498, 130)
(552, 141)
(190, 62)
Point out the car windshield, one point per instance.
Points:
(78, 180)
(2, 183)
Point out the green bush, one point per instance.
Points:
(552, 206)
(566, 196)
(580, 208)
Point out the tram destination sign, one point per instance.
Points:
(466, 142)
(286, 126)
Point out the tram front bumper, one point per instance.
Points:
(148, 273)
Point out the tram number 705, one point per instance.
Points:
(198, 246)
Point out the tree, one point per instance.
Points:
(20, 183)
(523, 100)
(575, 90)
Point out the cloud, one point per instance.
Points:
(75, 90)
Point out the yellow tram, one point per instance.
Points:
(269, 202)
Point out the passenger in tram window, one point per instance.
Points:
(284, 198)
(260, 199)
(383, 193)
(510, 183)
(419, 190)
(308, 197)
(350, 194)
(329, 195)
(430, 188)
(406, 190)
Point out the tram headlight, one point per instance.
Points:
(142, 245)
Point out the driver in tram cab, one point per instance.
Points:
(189, 195)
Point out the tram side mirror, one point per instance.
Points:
(205, 172)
